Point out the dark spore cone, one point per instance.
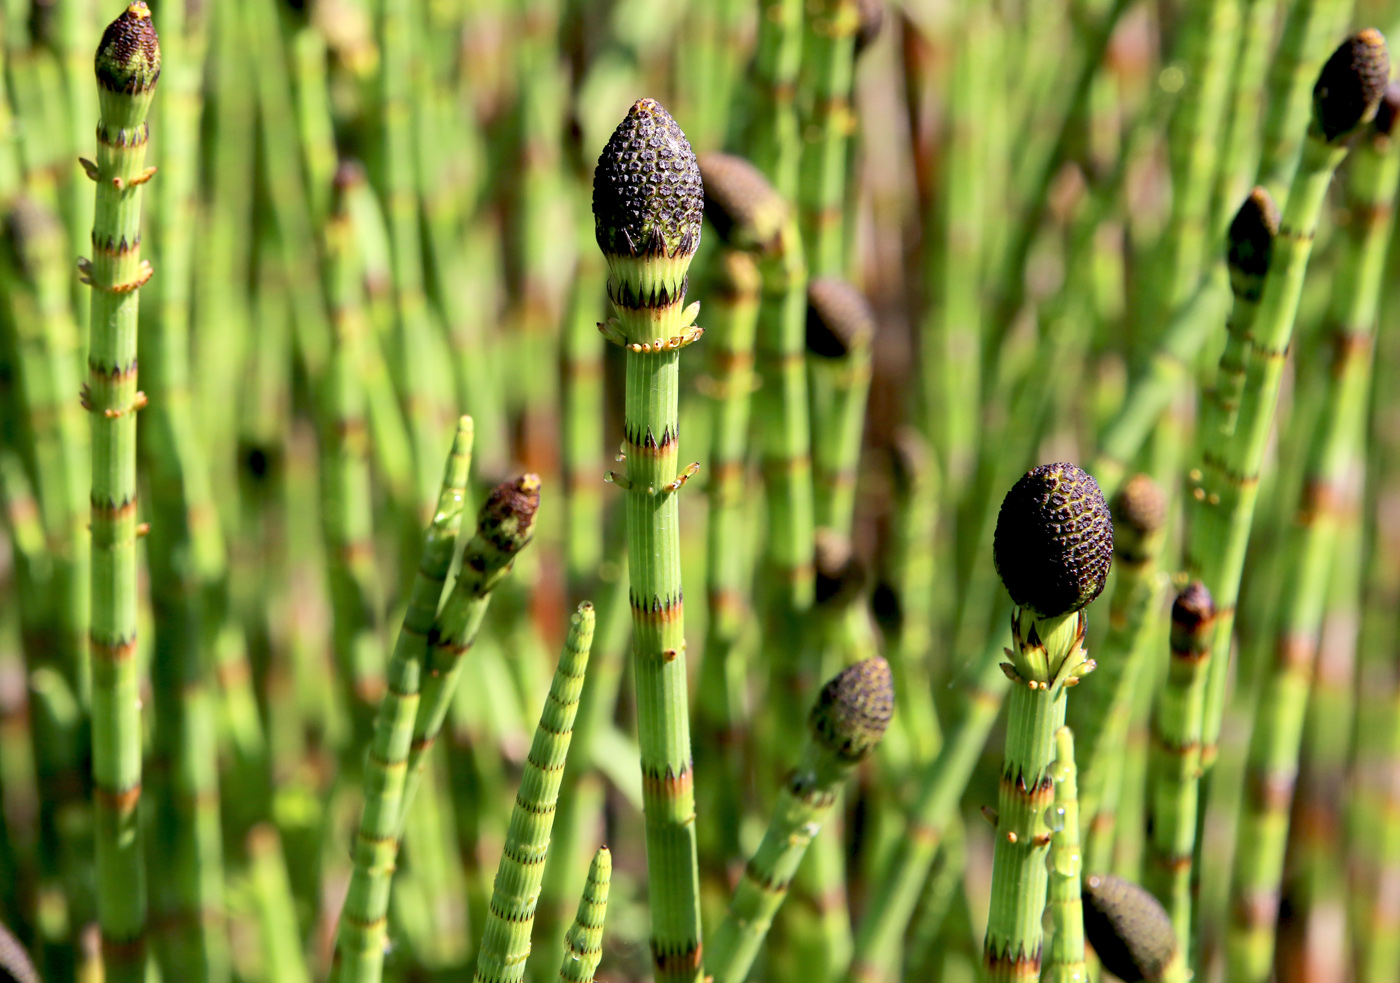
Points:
(839, 318)
(128, 57)
(1139, 510)
(1193, 615)
(1054, 540)
(1251, 244)
(507, 520)
(840, 575)
(1128, 928)
(1350, 85)
(648, 199)
(739, 202)
(854, 709)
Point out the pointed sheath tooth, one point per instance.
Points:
(839, 318)
(1350, 85)
(740, 203)
(1139, 510)
(854, 709)
(128, 57)
(15, 964)
(1128, 928)
(1054, 540)
(1250, 244)
(647, 193)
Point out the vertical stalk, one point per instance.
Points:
(583, 943)
(1224, 491)
(128, 64)
(846, 724)
(505, 941)
(647, 208)
(1066, 961)
(1053, 546)
(1278, 731)
(1174, 784)
(363, 929)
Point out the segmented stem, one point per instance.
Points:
(363, 921)
(1278, 729)
(583, 943)
(116, 272)
(505, 941)
(1065, 963)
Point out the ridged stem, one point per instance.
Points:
(1175, 768)
(363, 923)
(940, 788)
(1065, 963)
(505, 941)
(116, 273)
(808, 796)
(825, 83)
(583, 943)
(1278, 729)
(1036, 711)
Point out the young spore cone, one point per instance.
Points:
(1130, 931)
(1052, 547)
(648, 204)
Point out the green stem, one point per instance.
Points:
(128, 64)
(505, 943)
(1066, 960)
(363, 927)
(583, 943)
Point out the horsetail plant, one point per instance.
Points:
(1346, 96)
(1053, 547)
(939, 789)
(504, 527)
(1065, 963)
(845, 726)
(583, 943)
(1131, 932)
(1278, 728)
(1175, 769)
(747, 213)
(15, 964)
(363, 927)
(505, 941)
(1101, 716)
(127, 65)
(647, 208)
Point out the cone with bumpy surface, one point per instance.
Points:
(1053, 547)
(1130, 931)
(648, 204)
(845, 725)
(1054, 540)
(1349, 87)
(740, 203)
(1250, 243)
